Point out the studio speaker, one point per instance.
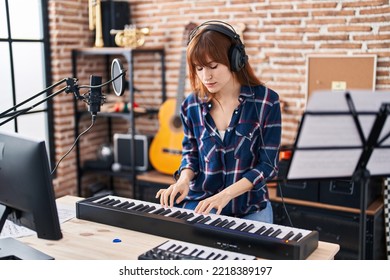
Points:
(122, 152)
(115, 15)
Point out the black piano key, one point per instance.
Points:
(145, 207)
(120, 205)
(224, 257)
(177, 248)
(188, 216)
(240, 227)
(135, 208)
(150, 209)
(112, 202)
(193, 252)
(182, 250)
(130, 205)
(217, 256)
(260, 230)
(210, 255)
(248, 228)
(165, 212)
(171, 247)
(297, 237)
(103, 201)
(216, 221)
(268, 231)
(206, 219)
(200, 253)
(288, 235)
(223, 223)
(276, 233)
(175, 214)
(182, 215)
(159, 211)
(197, 219)
(230, 224)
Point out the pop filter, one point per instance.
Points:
(118, 77)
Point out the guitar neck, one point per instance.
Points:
(182, 73)
(182, 80)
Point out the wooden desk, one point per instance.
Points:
(84, 240)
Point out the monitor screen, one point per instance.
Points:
(26, 191)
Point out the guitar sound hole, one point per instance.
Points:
(176, 122)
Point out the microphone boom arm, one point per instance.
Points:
(11, 113)
(71, 86)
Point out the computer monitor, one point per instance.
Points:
(26, 192)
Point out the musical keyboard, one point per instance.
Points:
(263, 240)
(179, 250)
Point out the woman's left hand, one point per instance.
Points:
(221, 199)
(217, 201)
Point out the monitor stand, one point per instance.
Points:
(12, 249)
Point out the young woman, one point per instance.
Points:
(232, 131)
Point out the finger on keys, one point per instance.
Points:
(208, 209)
(159, 193)
(172, 197)
(164, 198)
(180, 198)
(199, 207)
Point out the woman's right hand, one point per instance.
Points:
(167, 196)
(181, 188)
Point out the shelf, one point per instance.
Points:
(373, 208)
(124, 115)
(128, 54)
(116, 51)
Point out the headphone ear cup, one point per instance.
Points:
(237, 58)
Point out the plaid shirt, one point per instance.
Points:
(249, 149)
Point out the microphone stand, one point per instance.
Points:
(71, 86)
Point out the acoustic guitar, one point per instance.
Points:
(166, 147)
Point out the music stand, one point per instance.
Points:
(344, 135)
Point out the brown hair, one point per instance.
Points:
(210, 44)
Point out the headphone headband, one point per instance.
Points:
(219, 26)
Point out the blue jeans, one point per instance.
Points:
(266, 215)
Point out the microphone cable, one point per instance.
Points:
(74, 144)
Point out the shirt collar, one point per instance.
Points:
(246, 92)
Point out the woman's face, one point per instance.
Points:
(216, 77)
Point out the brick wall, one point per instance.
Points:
(278, 37)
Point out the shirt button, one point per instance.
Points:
(236, 112)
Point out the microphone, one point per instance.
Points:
(95, 98)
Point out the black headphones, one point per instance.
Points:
(237, 56)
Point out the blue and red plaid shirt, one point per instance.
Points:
(250, 148)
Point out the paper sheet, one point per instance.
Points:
(329, 145)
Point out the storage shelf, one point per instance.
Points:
(128, 54)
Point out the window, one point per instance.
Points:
(25, 66)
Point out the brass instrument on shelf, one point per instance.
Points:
(95, 21)
(131, 36)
